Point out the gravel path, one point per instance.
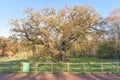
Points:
(62, 76)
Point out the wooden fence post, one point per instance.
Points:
(10, 66)
(68, 66)
(117, 70)
(83, 67)
(36, 67)
(21, 67)
(51, 67)
(101, 66)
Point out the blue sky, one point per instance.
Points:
(13, 8)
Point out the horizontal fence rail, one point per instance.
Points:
(51, 67)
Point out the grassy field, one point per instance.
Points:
(44, 65)
(73, 60)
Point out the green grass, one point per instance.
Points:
(58, 67)
(74, 60)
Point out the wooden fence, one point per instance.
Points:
(51, 67)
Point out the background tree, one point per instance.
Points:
(3, 46)
(111, 37)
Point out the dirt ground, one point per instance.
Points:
(62, 76)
